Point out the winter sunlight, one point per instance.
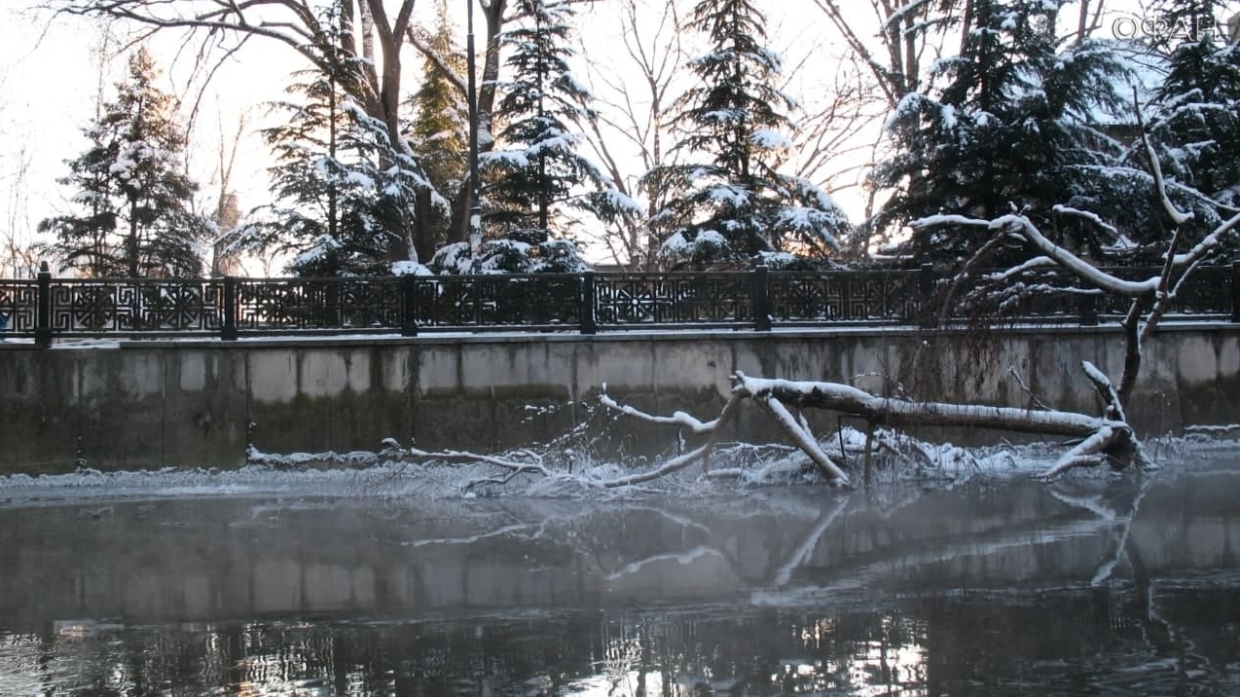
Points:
(619, 348)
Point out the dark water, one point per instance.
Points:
(1091, 587)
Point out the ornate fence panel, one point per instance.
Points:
(674, 299)
(18, 302)
(498, 302)
(135, 306)
(844, 296)
(320, 304)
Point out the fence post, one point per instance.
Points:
(589, 323)
(229, 331)
(925, 291)
(409, 315)
(43, 308)
(762, 299)
(1235, 291)
(1089, 310)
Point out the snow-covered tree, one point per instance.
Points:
(535, 178)
(369, 35)
(440, 127)
(345, 193)
(500, 256)
(736, 205)
(133, 197)
(344, 196)
(1013, 121)
(1197, 119)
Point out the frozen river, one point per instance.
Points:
(260, 583)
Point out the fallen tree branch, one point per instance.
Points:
(1102, 438)
(799, 435)
(512, 468)
(679, 462)
(679, 418)
(1106, 438)
(901, 413)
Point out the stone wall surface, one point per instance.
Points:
(150, 404)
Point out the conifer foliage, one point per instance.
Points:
(1014, 121)
(440, 127)
(1197, 119)
(344, 194)
(535, 176)
(134, 214)
(734, 204)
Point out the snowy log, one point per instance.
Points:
(903, 413)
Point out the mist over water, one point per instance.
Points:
(331, 584)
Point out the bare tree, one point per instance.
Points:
(906, 31)
(633, 124)
(227, 213)
(18, 258)
(1088, 19)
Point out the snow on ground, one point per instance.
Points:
(291, 477)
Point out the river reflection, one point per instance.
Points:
(1100, 586)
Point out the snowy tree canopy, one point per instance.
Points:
(134, 212)
(1012, 121)
(1196, 126)
(346, 197)
(737, 205)
(536, 178)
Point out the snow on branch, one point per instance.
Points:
(801, 437)
(1087, 453)
(901, 413)
(1178, 217)
(1021, 226)
(702, 453)
(513, 467)
(1208, 243)
(676, 419)
(1105, 390)
(1090, 216)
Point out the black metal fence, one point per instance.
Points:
(47, 307)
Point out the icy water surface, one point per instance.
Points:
(1092, 586)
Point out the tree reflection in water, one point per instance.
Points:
(1110, 586)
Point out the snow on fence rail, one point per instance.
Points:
(46, 308)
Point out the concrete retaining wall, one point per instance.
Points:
(147, 404)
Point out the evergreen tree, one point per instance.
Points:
(135, 197)
(535, 173)
(1197, 119)
(737, 205)
(441, 125)
(345, 196)
(1013, 122)
(337, 208)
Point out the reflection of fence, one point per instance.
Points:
(586, 303)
